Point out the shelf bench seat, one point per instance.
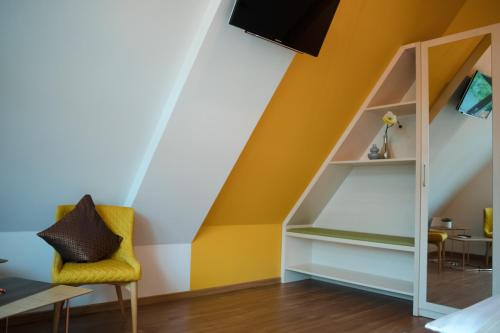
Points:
(355, 238)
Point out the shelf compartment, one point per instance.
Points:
(398, 78)
(369, 125)
(356, 278)
(399, 109)
(389, 242)
(392, 161)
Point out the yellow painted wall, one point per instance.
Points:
(316, 100)
(475, 14)
(225, 255)
(445, 60)
(314, 103)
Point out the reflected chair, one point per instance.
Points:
(438, 238)
(122, 269)
(488, 232)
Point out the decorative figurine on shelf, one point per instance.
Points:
(374, 153)
(389, 119)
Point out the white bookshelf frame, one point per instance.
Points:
(374, 282)
(365, 125)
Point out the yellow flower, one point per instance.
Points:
(390, 119)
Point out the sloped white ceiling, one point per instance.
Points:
(82, 85)
(229, 85)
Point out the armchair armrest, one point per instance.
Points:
(134, 263)
(56, 265)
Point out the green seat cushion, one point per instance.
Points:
(354, 235)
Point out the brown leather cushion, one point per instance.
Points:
(82, 235)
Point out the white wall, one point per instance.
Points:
(142, 103)
(374, 188)
(460, 168)
(380, 262)
(165, 268)
(228, 88)
(82, 86)
(460, 171)
(460, 147)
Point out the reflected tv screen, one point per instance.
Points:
(298, 24)
(477, 97)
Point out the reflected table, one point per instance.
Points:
(448, 229)
(452, 232)
(2, 261)
(466, 241)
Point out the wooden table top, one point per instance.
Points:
(445, 228)
(471, 239)
(18, 288)
(24, 295)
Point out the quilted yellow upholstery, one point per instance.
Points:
(121, 267)
(488, 222)
(109, 270)
(437, 236)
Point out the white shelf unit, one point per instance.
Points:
(355, 242)
(353, 277)
(401, 108)
(351, 192)
(392, 161)
(368, 126)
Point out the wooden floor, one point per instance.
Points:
(306, 306)
(457, 288)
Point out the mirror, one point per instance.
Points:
(460, 173)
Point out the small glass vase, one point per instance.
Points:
(386, 149)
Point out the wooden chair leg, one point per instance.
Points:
(490, 253)
(67, 316)
(440, 250)
(57, 316)
(133, 303)
(487, 255)
(444, 252)
(120, 299)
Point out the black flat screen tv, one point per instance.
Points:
(477, 100)
(297, 24)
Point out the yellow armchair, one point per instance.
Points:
(121, 269)
(438, 238)
(488, 222)
(488, 231)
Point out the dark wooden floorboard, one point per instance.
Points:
(457, 288)
(306, 306)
